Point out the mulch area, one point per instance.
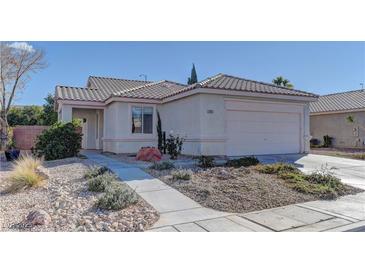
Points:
(235, 189)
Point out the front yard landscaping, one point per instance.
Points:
(72, 196)
(237, 188)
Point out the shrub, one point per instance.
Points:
(101, 182)
(324, 176)
(162, 166)
(182, 174)
(95, 171)
(174, 146)
(244, 161)
(25, 174)
(327, 141)
(314, 142)
(278, 168)
(60, 141)
(292, 177)
(206, 161)
(116, 197)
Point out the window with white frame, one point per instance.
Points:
(142, 120)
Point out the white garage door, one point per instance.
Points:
(261, 129)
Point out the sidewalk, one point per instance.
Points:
(180, 213)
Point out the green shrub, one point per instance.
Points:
(278, 168)
(323, 178)
(101, 182)
(244, 161)
(182, 174)
(162, 166)
(327, 141)
(174, 146)
(95, 171)
(206, 161)
(60, 141)
(116, 197)
(292, 177)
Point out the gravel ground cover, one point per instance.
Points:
(234, 189)
(70, 206)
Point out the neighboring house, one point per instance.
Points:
(222, 115)
(328, 117)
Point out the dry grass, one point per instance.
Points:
(25, 174)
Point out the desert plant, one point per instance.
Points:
(244, 161)
(182, 174)
(327, 141)
(60, 141)
(206, 161)
(116, 197)
(95, 171)
(159, 133)
(324, 176)
(101, 182)
(314, 142)
(162, 166)
(174, 146)
(25, 174)
(278, 168)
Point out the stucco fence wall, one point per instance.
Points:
(344, 134)
(25, 136)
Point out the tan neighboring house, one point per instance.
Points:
(328, 117)
(222, 115)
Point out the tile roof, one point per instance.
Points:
(111, 85)
(349, 100)
(102, 88)
(227, 82)
(80, 94)
(156, 90)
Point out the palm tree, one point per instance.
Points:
(282, 82)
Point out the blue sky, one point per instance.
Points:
(319, 67)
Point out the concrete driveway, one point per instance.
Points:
(350, 171)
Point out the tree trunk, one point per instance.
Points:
(3, 130)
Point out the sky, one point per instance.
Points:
(318, 67)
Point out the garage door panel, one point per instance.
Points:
(262, 127)
(262, 132)
(252, 116)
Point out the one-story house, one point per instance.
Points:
(328, 116)
(222, 115)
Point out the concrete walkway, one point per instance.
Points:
(180, 213)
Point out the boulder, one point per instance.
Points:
(150, 154)
(38, 217)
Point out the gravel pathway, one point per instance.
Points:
(70, 205)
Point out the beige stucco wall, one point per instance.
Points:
(335, 125)
(200, 119)
(118, 136)
(90, 115)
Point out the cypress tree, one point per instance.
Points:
(193, 77)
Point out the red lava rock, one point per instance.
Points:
(150, 154)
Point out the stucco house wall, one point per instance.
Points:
(201, 120)
(118, 136)
(345, 134)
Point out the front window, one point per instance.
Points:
(142, 118)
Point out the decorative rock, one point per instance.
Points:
(38, 217)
